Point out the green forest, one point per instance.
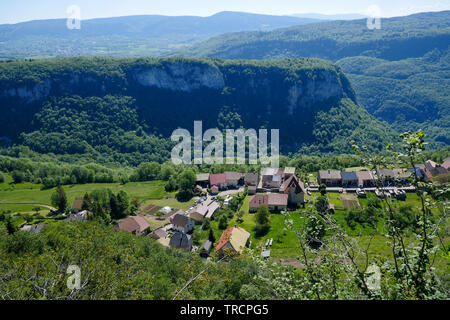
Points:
(106, 109)
(400, 73)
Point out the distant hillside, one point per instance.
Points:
(400, 72)
(344, 16)
(109, 106)
(127, 36)
(398, 38)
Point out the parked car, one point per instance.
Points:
(361, 193)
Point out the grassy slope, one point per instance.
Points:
(32, 193)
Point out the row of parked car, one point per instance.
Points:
(396, 193)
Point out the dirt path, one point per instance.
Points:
(35, 204)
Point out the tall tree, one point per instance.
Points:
(59, 199)
(211, 236)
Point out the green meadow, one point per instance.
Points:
(24, 197)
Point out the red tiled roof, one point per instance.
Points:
(217, 178)
(258, 200)
(224, 238)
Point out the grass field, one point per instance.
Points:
(24, 197)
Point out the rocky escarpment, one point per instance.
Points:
(171, 93)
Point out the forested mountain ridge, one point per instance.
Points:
(398, 38)
(126, 106)
(400, 73)
(128, 36)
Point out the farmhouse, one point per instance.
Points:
(203, 180)
(386, 176)
(214, 190)
(446, 164)
(432, 169)
(159, 234)
(349, 179)
(136, 225)
(232, 179)
(365, 179)
(77, 205)
(33, 228)
(205, 249)
(288, 172)
(251, 190)
(402, 175)
(182, 223)
(295, 189)
(80, 216)
(233, 240)
(181, 240)
(271, 177)
(251, 179)
(274, 201)
(331, 178)
(204, 210)
(219, 180)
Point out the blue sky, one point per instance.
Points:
(12, 11)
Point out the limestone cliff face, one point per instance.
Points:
(187, 77)
(28, 93)
(172, 92)
(181, 77)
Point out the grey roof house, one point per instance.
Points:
(331, 178)
(181, 240)
(205, 249)
(349, 179)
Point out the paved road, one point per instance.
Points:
(233, 191)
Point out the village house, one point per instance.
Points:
(295, 189)
(219, 180)
(288, 172)
(432, 169)
(77, 205)
(390, 177)
(80, 216)
(159, 234)
(232, 179)
(181, 240)
(365, 179)
(251, 179)
(136, 225)
(214, 190)
(271, 177)
(182, 223)
(205, 249)
(251, 190)
(274, 202)
(233, 240)
(402, 175)
(349, 179)
(446, 164)
(34, 228)
(203, 180)
(385, 176)
(204, 210)
(331, 178)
